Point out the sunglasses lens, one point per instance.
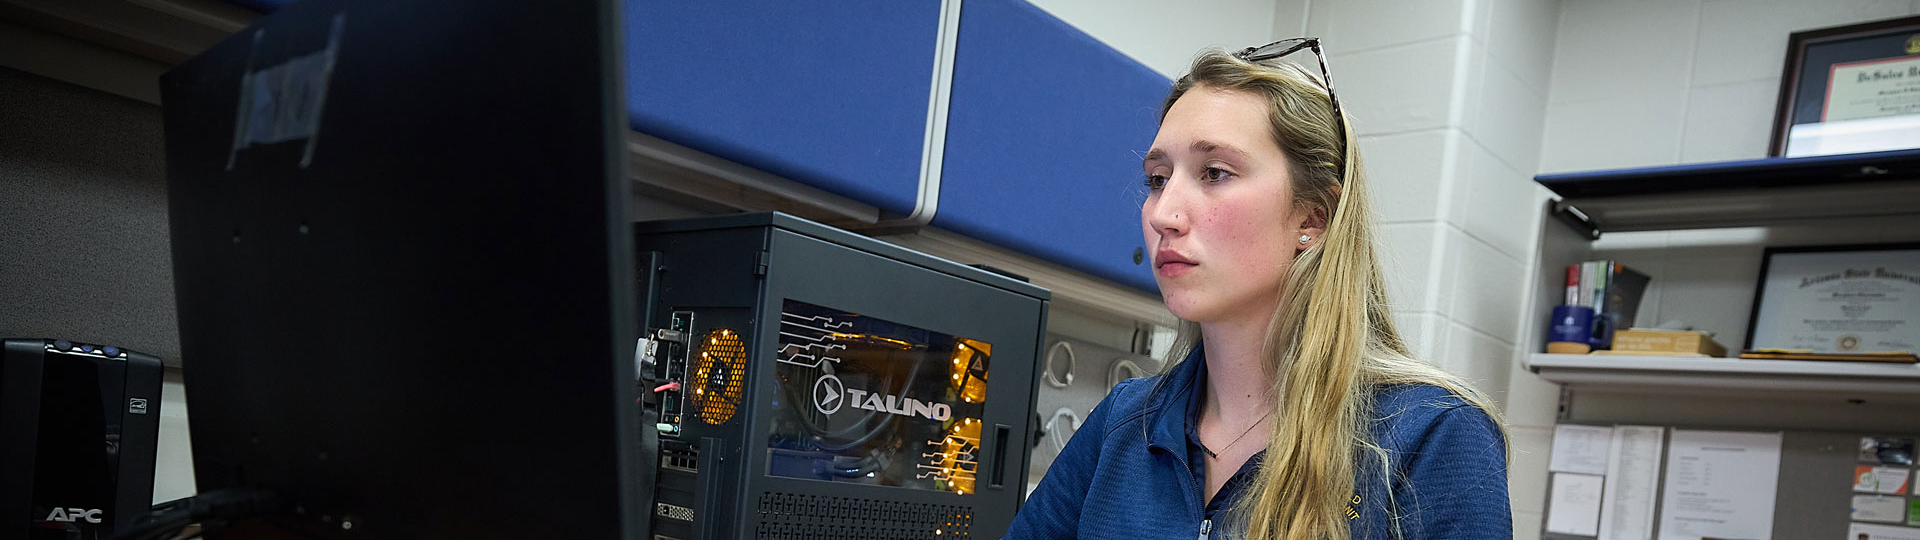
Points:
(1275, 49)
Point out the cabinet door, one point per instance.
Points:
(831, 94)
(1045, 131)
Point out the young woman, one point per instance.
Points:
(1297, 412)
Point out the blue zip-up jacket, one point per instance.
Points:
(1131, 470)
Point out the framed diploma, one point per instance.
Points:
(1842, 299)
(1850, 90)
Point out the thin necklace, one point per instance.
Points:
(1236, 440)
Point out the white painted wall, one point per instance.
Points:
(1164, 34)
(1658, 82)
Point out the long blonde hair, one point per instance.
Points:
(1331, 341)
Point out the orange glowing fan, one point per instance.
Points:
(969, 369)
(956, 461)
(719, 376)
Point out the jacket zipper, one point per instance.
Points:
(1206, 523)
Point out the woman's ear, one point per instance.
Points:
(1310, 229)
(1313, 224)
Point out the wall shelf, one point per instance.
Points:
(1707, 279)
(1757, 378)
(1737, 193)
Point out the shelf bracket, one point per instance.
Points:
(1566, 406)
(1573, 217)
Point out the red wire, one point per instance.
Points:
(659, 389)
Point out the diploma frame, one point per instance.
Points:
(1862, 255)
(1799, 74)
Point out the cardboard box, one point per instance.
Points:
(1666, 341)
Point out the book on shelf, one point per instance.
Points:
(1573, 286)
(1610, 288)
(1596, 272)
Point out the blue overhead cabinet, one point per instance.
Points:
(831, 94)
(1045, 132)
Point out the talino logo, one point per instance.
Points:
(70, 515)
(829, 394)
(826, 394)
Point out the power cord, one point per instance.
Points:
(231, 504)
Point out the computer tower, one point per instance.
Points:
(80, 424)
(814, 383)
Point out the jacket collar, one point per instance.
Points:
(1174, 398)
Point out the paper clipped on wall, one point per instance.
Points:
(1633, 465)
(1720, 484)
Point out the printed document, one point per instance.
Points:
(1720, 484)
(1633, 465)
(1574, 506)
(1580, 449)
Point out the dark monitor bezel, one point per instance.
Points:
(419, 321)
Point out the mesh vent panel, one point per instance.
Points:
(787, 516)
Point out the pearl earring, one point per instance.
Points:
(1304, 239)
